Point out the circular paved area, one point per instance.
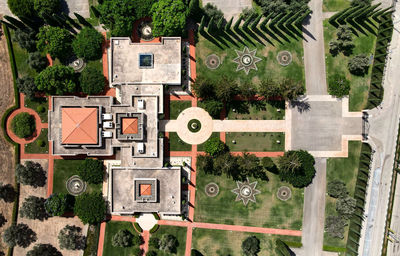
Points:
(206, 125)
(34, 135)
(146, 221)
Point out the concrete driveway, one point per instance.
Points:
(230, 7)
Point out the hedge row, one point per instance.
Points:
(333, 249)
(154, 229)
(359, 194)
(384, 37)
(138, 227)
(4, 123)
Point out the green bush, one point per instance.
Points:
(358, 65)
(27, 86)
(87, 44)
(90, 208)
(214, 147)
(40, 109)
(49, 7)
(117, 16)
(40, 143)
(55, 41)
(92, 81)
(338, 85)
(154, 229)
(165, 24)
(336, 189)
(23, 125)
(143, 8)
(22, 8)
(138, 227)
(57, 204)
(297, 168)
(56, 79)
(251, 246)
(91, 171)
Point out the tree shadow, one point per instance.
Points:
(211, 39)
(301, 105)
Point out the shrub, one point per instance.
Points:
(334, 226)
(56, 79)
(168, 243)
(338, 85)
(37, 61)
(23, 125)
(214, 147)
(154, 242)
(282, 249)
(57, 204)
(27, 86)
(19, 234)
(48, 7)
(345, 206)
(251, 246)
(337, 188)
(44, 249)
(358, 65)
(87, 44)
(31, 174)
(33, 208)
(138, 227)
(297, 168)
(92, 81)
(55, 41)
(7, 193)
(117, 16)
(71, 238)
(213, 107)
(165, 24)
(26, 38)
(21, 8)
(91, 170)
(154, 229)
(90, 208)
(212, 11)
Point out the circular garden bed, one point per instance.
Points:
(75, 185)
(23, 125)
(284, 58)
(212, 189)
(213, 61)
(194, 125)
(284, 193)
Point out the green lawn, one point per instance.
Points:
(21, 57)
(257, 110)
(268, 67)
(335, 5)
(63, 170)
(34, 148)
(35, 103)
(97, 64)
(176, 144)
(112, 228)
(221, 242)
(200, 147)
(268, 211)
(334, 65)
(178, 232)
(177, 106)
(344, 169)
(256, 141)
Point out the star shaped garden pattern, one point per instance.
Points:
(246, 60)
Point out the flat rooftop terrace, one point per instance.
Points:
(165, 65)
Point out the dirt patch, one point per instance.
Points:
(6, 149)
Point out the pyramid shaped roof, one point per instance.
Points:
(129, 125)
(79, 125)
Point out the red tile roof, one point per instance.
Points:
(79, 125)
(130, 125)
(145, 189)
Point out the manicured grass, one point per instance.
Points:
(268, 67)
(35, 103)
(268, 211)
(176, 144)
(21, 57)
(200, 147)
(34, 148)
(112, 228)
(177, 106)
(63, 170)
(256, 141)
(178, 232)
(257, 110)
(221, 242)
(344, 169)
(334, 65)
(97, 64)
(335, 5)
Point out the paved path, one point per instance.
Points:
(314, 212)
(314, 52)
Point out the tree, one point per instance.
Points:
(56, 79)
(90, 208)
(33, 208)
(361, 3)
(7, 193)
(251, 246)
(71, 238)
(27, 86)
(344, 41)
(334, 47)
(228, 164)
(31, 174)
(2, 220)
(249, 165)
(152, 253)
(44, 250)
(37, 61)
(336, 189)
(57, 204)
(338, 85)
(165, 24)
(269, 165)
(92, 81)
(87, 44)
(196, 253)
(214, 147)
(26, 38)
(154, 242)
(248, 90)
(23, 125)
(282, 249)
(49, 7)
(269, 89)
(91, 170)
(55, 41)
(345, 206)
(281, 6)
(204, 164)
(168, 243)
(290, 89)
(204, 88)
(358, 65)
(334, 226)
(21, 7)
(123, 238)
(227, 88)
(117, 16)
(248, 12)
(213, 107)
(297, 168)
(19, 234)
(212, 11)
(195, 11)
(143, 8)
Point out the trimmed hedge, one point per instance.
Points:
(156, 216)
(328, 248)
(154, 229)
(138, 228)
